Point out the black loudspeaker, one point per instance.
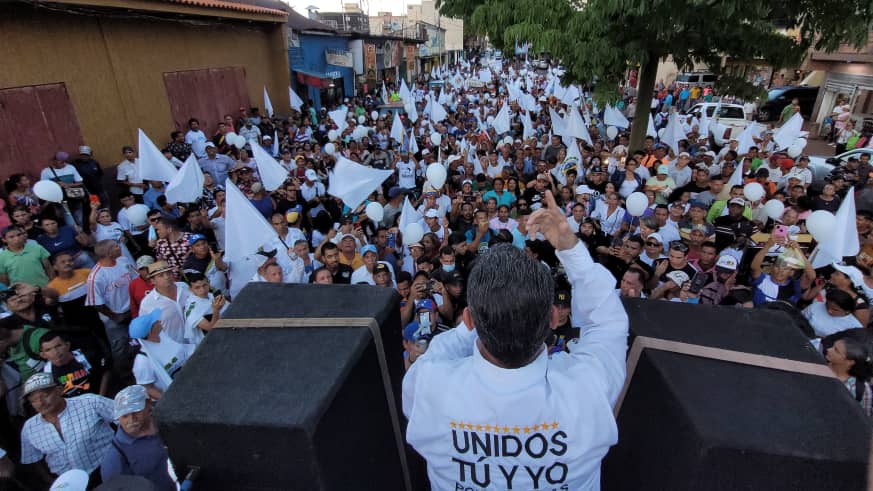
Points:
(693, 423)
(293, 392)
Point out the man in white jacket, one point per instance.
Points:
(488, 407)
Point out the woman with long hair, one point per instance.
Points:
(20, 193)
(850, 359)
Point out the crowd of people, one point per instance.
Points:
(97, 304)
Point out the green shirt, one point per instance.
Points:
(25, 266)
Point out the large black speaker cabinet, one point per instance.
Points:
(692, 422)
(298, 390)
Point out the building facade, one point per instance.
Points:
(90, 72)
(452, 30)
(321, 64)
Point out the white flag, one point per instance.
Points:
(411, 111)
(353, 182)
(674, 133)
(384, 94)
(296, 101)
(413, 145)
(408, 214)
(501, 121)
(268, 106)
(153, 166)
(273, 175)
(275, 149)
(745, 141)
(405, 94)
(558, 124)
(844, 241)
(614, 117)
(339, 118)
(245, 228)
(789, 132)
(529, 131)
(397, 131)
(437, 111)
(575, 127)
(187, 185)
(650, 130)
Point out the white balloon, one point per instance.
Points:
(362, 119)
(436, 174)
(330, 149)
(637, 203)
(796, 148)
(820, 224)
(239, 141)
(332, 135)
(436, 138)
(230, 137)
(611, 132)
(774, 209)
(412, 233)
(374, 115)
(375, 211)
(49, 191)
(137, 215)
(753, 191)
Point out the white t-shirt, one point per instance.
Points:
(196, 309)
(67, 174)
(108, 286)
(129, 171)
(197, 140)
(825, 324)
(406, 175)
(168, 354)
(310, 191)
(172, 317)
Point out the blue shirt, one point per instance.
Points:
(145, 456)
(150, 198)
(218, 167)
(507, 198)
(64, 242)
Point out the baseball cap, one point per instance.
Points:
(684, 154)
(369, 248)
(678, 276)
(194, 238)
(425, 152)
(583, 189)
(726, 263)
(663, 169)
(416, 244)
(737, 201)
(562, 297)
(267, 137)
(84, 150)
(432, 213)
(453, 277)
(142, 325)
(144, 262)
(311, 175)
(71, 480)
(395, 191)
(39, 381)
(467, 181)
(381, 268)
(709, 154)
(343, 237)
(257, 187)
(130, 399)
(291, 216)
(209, 145)
(426, 304)
(852, 272)
(159, 267)
(699, 204)
(657, 237)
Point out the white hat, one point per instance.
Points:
(72, 480)
(84, 150)
(583, 189)
(432, 213)
(657, 237)
(311, 175)
(678, 276)
(726, 262)
(425, 152)
(852, 272)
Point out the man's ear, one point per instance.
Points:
(468, 318)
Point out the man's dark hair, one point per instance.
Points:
(193, 120)
(736, 186)
(168, 222)
(403, 276)
(641, 275)
(194, 277)
(49, 336)
(637, 239)
(174, 134)
(710, 244)
(328, 246)
(447, 251)
(510, 299)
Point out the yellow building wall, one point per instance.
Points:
(113, 65)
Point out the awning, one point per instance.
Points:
(315, 79)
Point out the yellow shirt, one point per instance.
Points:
(73, 287)
(356, 262)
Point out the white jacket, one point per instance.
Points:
(547, 425)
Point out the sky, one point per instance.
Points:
(397, 7)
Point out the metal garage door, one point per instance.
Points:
(207, 95)
(35, 122)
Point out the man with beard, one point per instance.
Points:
(341, 273)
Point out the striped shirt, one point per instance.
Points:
(84, 437)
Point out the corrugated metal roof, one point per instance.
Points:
(237, 6)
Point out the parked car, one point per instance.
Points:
(728, 123)
(703, 79)
(822, 166)
(780, 97)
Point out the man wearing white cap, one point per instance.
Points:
(91, 172)
(312, 191)
(137, 449)
(69, 433)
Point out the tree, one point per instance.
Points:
(598, 40)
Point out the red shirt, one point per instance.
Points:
(138, 289)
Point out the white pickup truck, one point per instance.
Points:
(728, 123)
